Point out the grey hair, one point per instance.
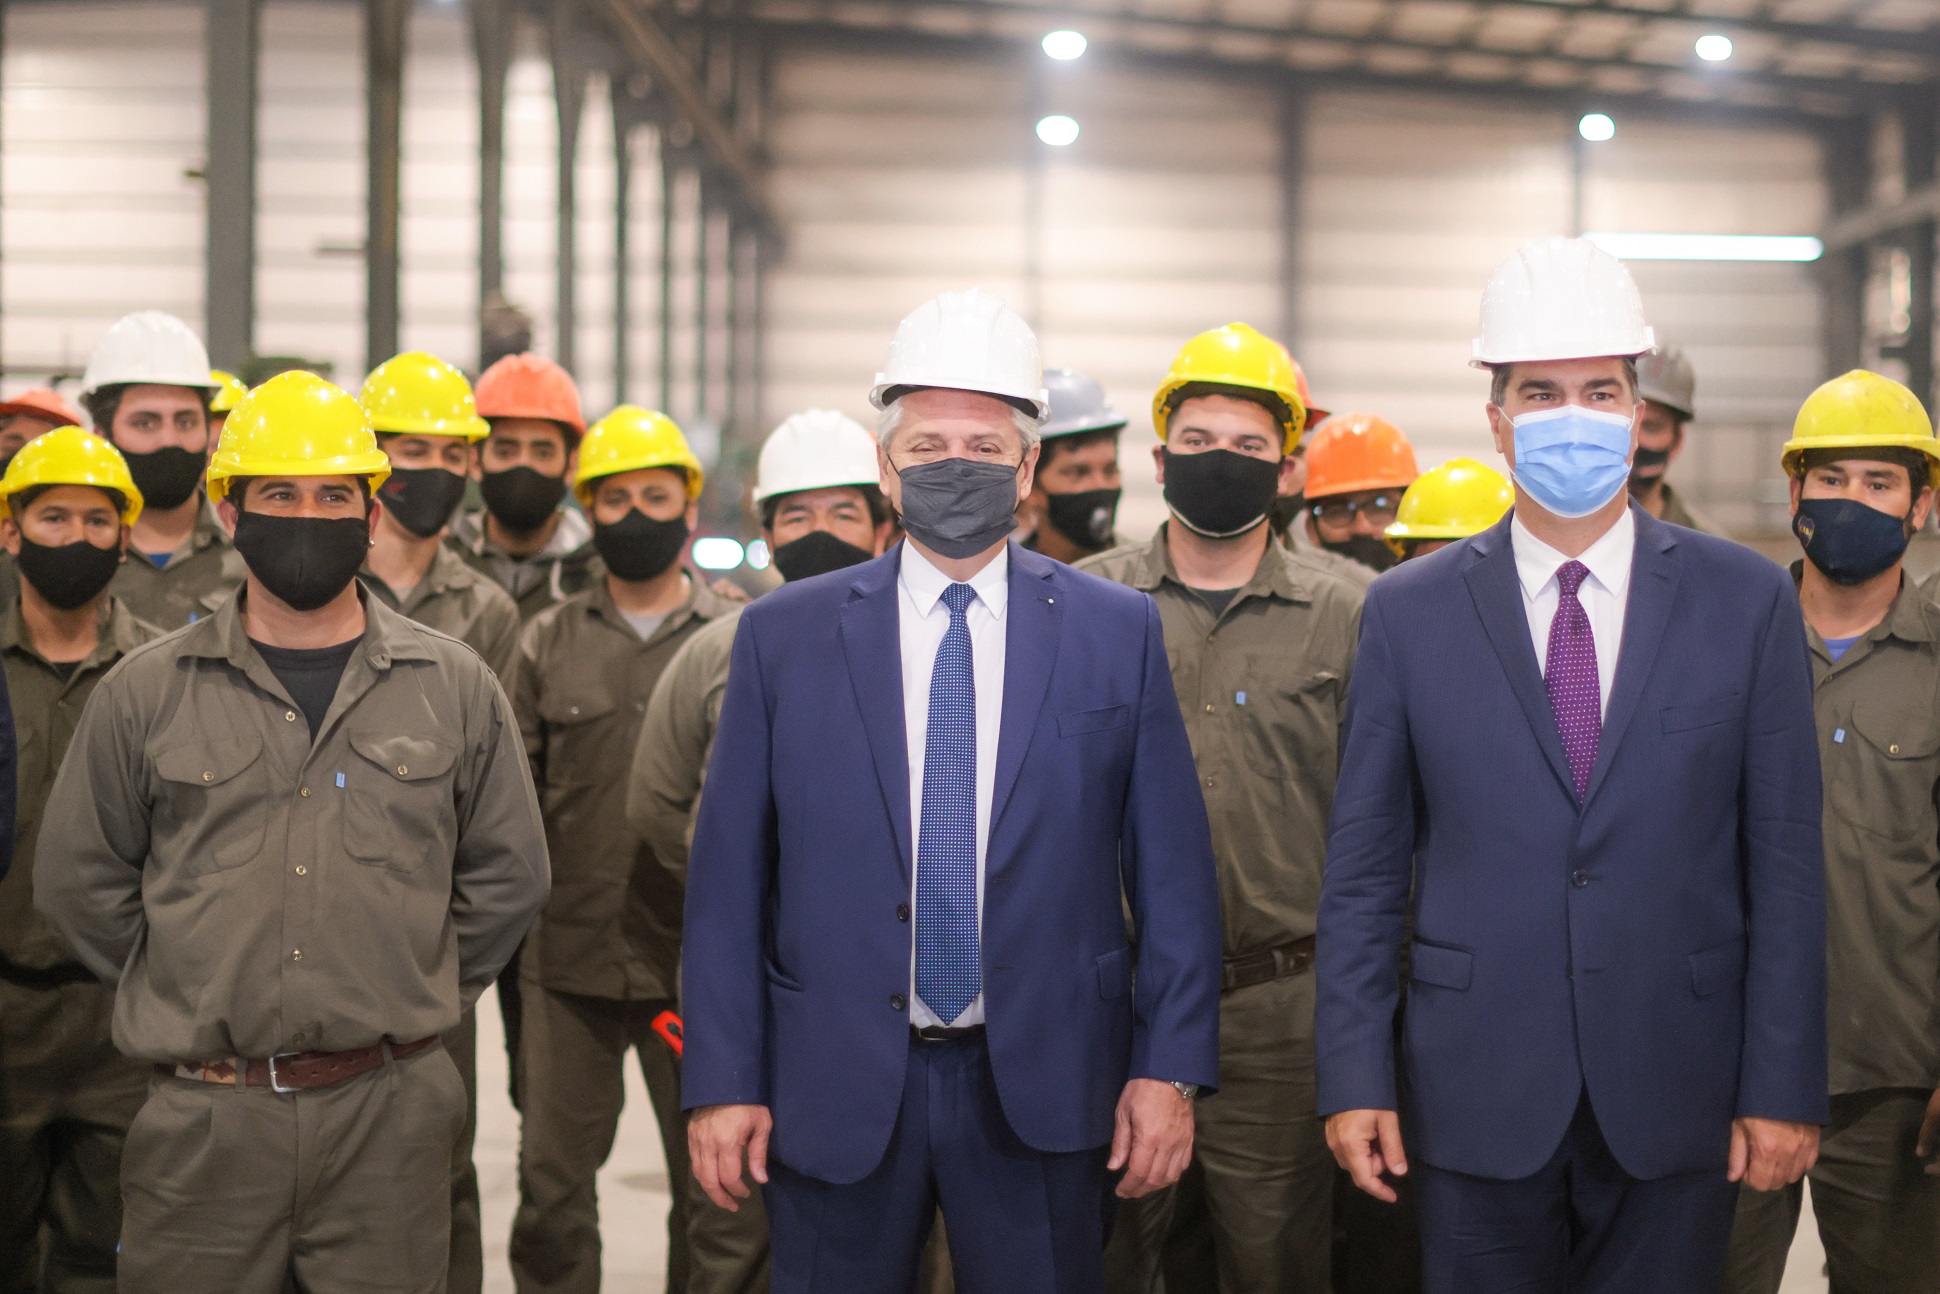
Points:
(890, 419)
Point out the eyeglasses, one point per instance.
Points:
(1379, 510)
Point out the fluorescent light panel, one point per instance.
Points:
(1709, 247)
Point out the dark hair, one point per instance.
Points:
(239, 489)
(19, 503)
(568, 434)
(104, 402)
(1919, 471)
(1055, 445)
(1499, 379)
(1272, 403)
(871, 496)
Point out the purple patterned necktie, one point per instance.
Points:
(1571, 677)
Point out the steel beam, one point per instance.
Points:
(492, 30)
(384, 27)
(569, 73)
(668, 192)
(1846, 150)
(1819, 33)
(229, 261)
(623, 122)
(1918, 145)
(1293, 183)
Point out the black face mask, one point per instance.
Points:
(636, 547)
(1218, 493)
(817, 553)
(304, 561)
(168, 477)
(1848, 540)
(521, 498)
(67, 575)
(1368, 550)
(958, 508)
(422, 499)
(1084, 517)
(1654, 459)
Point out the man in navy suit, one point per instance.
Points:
(939, 778)
(1584, 740)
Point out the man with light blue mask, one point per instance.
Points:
(1580, 752)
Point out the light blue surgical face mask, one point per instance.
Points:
(1572, 460)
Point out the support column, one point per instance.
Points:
(1293, 169)
(569, 92)
(1919, 144)
(229, 176)
(384, 26)
(1847, 165)
(703, 271)
(492, 30)
(622, 238)
(668, 191)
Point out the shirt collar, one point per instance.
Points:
(1609, 558)
(924, 584)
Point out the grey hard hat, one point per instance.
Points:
(1078, 404)
(1667, 377)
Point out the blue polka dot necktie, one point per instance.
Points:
(949, 974)
(1571, 678)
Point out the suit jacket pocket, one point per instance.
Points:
(1443, 967)
(1083, 721)
(1719, 968)
(1683, 718)
(1114, 974)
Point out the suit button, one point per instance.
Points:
(897, 1002)
(902, 912)
(1579, 878)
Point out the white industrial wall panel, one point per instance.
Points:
(438, 233)
(1409, 202)
(103, 202)
(901, 177)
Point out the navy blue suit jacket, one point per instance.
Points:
(1661, 945)
(796, 953)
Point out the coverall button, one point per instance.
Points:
(289, 716)
(208, 776)
(402, 770)
(1209, 708)
(897, 1002)
(305, 792)
(296, 954)
(1894, 749)
(301, 870)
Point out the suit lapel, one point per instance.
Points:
(1030, 654)
(872, 643)
(1492, 583)
(1654, 573)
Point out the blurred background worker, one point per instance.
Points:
(821, 510)
(1073, 504)
(66, 1095)
(1260, 639)
(538, 550)
(1668, 385)
(422, 412)
(300, 838)
(31, 413)
(603, 958)
(1460, 498)
(229, 391)
(1357, 467)
(147, 388)
(1863, 462)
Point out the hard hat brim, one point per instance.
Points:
(1543, 355)
(886, 393)
(1079, 426)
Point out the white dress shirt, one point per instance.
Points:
(922, 622)
(1604, 594)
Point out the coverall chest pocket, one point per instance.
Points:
(399, 810)
(1288, 711)
(210, 804)
(1883, 774)
(579, 730)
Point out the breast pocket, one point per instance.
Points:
(578, 732)
(400, 811)
(211, 804)
(1288, 715)
(1705, 714)
(1882, 776)
(1079, 722)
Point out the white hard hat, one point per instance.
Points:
(149, 346)
(966, 341)
(813, 450)
(1560, 298)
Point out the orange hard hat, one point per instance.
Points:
(1315, 414)
(1358, 451)
(530, 386)
(40, 402)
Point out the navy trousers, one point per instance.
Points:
(1580, 1225)
(1021, 1221)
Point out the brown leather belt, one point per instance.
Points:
(297, 1071)
(1275, 963)
(943, 1032)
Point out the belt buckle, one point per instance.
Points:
(275, 1083)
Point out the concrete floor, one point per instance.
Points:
(633, 1185)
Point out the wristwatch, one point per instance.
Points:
(1188, 1090)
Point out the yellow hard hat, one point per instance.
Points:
(1862, 410)
(419, 394)
(630, 438)
(70, 456)
(1460, 498)
(229, 391)
(297, 424)
(1235, 355)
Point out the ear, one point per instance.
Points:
(1290, 477)
(1504, 433)
(1027, 471)
(883, 533)
(1922, 508)
(693, 514)
(10, 533)
(1158, 461)
(227, 512)
(1795, 485)
(371, 514)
